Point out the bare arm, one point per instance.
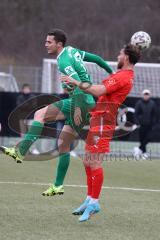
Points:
(96, 90)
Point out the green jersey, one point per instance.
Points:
(70, 62)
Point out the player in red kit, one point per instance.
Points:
(111, 94)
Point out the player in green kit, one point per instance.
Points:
(74, 110)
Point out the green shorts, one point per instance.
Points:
(67, 107)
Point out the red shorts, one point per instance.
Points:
(99, 135)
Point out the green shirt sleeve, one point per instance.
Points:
(72, 73)
(89, 57)
(69, 69)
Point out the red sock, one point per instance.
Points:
(97, 181)
(89, 180)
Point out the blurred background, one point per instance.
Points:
(98, 26)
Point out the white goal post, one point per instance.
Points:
(147, 75)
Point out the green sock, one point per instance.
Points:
(63, 164)
(30, 137)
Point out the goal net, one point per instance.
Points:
(8, 83)
(147, 75)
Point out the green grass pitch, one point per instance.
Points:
(127, 214)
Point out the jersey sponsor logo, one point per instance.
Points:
(69, 70)
(111, 81)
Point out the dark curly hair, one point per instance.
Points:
(133, 52)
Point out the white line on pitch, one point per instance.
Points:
(84, 186)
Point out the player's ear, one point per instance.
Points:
(126, 58)
(60, 44)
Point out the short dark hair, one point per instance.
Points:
(59, 35)
(133, 52)
(26, 85)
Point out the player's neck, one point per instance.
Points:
(128, 67)
(59, 51)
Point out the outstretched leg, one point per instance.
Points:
(46, 114)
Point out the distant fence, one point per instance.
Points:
(25, 74)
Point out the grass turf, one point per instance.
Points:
(26, 214)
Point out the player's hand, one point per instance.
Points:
(67, 79)
(77, 116)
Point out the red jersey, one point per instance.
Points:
(103, 120)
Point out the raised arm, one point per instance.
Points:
(89, 57)
(107, 87)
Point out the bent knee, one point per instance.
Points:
(63, 146)
(40, 115)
